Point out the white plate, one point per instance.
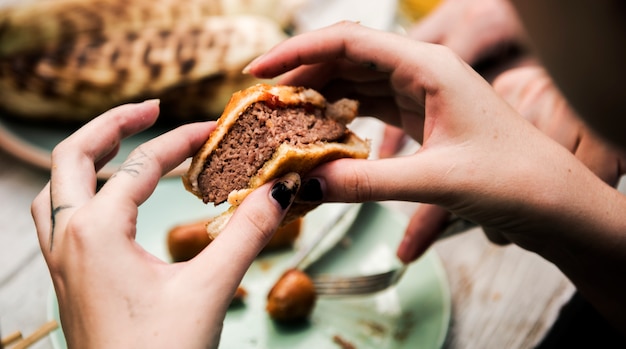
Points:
(416, 311)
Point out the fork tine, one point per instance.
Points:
(345, 287)
(328, 285)
(333, 285)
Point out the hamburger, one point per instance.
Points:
(265, 132)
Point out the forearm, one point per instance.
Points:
(591, 247)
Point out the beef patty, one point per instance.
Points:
(261, 129)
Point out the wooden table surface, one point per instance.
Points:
(502, 297)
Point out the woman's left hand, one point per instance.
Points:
(111, 292)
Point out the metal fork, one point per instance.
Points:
(338, 285)
(333, 285)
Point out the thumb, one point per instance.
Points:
(250, 227)
(407, 178)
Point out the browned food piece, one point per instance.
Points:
(239, 296)
(266, 132)
(231, 165)
(185, 241)
(342, 343)
(292, 298)
(284, 237)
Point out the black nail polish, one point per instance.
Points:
(285, 190)
(311, 191)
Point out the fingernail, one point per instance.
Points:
(153, 101)
(404, 251)
(285, 189)
(409, 250)
(311, 191)
(246, 69)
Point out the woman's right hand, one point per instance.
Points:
(479, 158)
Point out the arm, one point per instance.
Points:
(477, 153)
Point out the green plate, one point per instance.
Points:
(414, 313)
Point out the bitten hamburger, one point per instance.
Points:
(264, 133)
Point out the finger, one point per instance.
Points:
(138, 176)
(394, 139)
(446, 26)
(315, 76)
(331, 44)
(462, 42)
(484, 38)
(352, 180)
(318, 75)
(375, 99)
(599, 157)
(106, 158)
(435, 25)
(134, 182)
(483, 31)
(114, 208)
(433, 68)
(248, 231)
(40, 211)
(423, 229)
(73, 171)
